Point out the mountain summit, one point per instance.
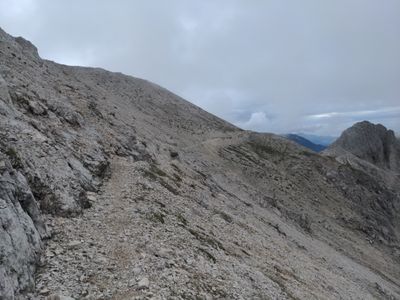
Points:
(112, 187)
(370, 142)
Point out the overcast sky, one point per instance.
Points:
(276, 66)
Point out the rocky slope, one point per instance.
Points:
(370, 142)
(22, 229)
(129, 192)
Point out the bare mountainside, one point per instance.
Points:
(112, 187)
(371, 143)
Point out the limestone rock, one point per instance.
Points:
(21, 231)
(135, 181)
(144, 283)
(370, 142)
(58, 297)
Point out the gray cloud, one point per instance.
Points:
(263, 65)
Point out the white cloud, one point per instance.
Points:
(258, 122)
(304, 64)
(12, 8)
(381, 112)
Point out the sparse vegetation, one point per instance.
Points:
(160, 203)
(156, 170)
(264, 150)
(303, 220)
(181, 219)
(169, 187)
(208, 255)
(156, 174)
(257, 217)
(156, 217)
(14, 158)
(177, 169)
(177, 177)
(308, 153)
(278, 153)
(242, 153)
(206, 239)
(224, 216)
(305, 223)
(92, 105)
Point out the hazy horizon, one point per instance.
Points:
(308, 66)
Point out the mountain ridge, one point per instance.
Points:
(305, 142)
(372, 143)
(114, 188)
(318, 139)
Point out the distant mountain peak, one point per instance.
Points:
(172, 201)
(324, 140)
(371, 142)
(305, 142)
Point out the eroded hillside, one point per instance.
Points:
(120, 189)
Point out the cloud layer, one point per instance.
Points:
(276, 66)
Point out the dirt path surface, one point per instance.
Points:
(104, 253)
(136, 243)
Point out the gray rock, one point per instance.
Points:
(232, 214)
(143, 283)
(21, 232)
(370, 142)
(58, 297)
(74, 244)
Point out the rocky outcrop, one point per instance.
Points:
(39, 130)
(21, 232)
(60, 125)
(370, 142)
(148, 196)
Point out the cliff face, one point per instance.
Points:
(21, 231)
(372, 143)
(118, 189)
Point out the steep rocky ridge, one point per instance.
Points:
(370, 142)
(146, 195)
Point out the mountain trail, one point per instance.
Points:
(112, 187)
(104, 246)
